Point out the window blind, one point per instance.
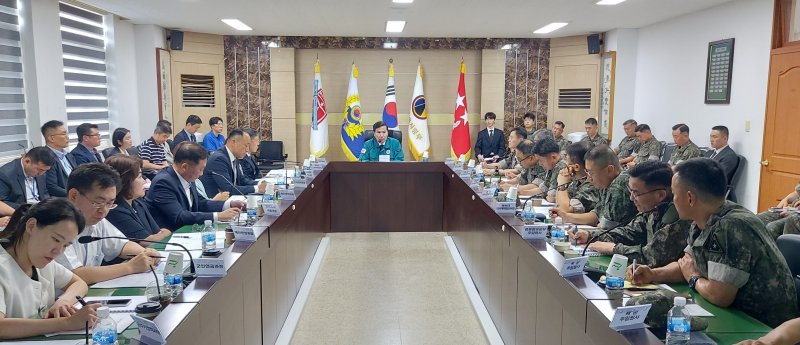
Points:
(83, 43)
(13, 128)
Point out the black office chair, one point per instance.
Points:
(369, 134)
(270, 155)
(789, 245)
(703, 151)
(666, 151)
(734, 179)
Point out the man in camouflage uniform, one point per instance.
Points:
(549, 156)
(614, 205)
(531, 171)
(529, 124)
(650, 147)
(558, 133)
(593, 136)
(656, 237)
(579, 196)
(778, 222)
(730, 260)
(685, 148)
(507, 166)
(629, 145)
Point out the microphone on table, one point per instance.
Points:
(544, 193)
(626, 222)
(229, 181)
(187, 278)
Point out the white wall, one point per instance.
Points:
(147, 38)
(671, 72)
(625, 42)
(122, 77)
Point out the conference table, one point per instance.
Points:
(518, 280)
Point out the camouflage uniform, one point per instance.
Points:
(614, 203)
(627, 147)
(529, 134)
(562, 144)
(650, 150)
(785, 225)
(734, 249)
(509, 162)
(680, 154)
(550, 179)
(598, 140)
(533, 175)
(582, 196)
(654, 239)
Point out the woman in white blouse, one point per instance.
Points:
(29, 278)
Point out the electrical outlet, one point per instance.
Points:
(747, 126)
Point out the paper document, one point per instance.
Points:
(121, 315)
(191, 241)
(696, 310)
(140, 279)
(579, 247)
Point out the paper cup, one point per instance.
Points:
(617, 266)
(252, 200)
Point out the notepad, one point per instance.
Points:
(122, 316)
(696, 310)
(579, 247)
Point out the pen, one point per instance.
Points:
(176, 236)
(80, 300)
(633, 275)
(152, 256)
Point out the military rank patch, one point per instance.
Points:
(713, 245)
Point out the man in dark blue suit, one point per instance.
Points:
(173, 199)
(57, 140)
(88, 141)
(193, 123)
(250, 169)
(491, 142)
(224, 173)
(721, 152)
(22, 180)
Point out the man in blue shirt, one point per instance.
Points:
(214, 140)
(381, 145)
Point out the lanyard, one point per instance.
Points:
(33, 189)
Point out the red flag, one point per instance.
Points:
(459, 141)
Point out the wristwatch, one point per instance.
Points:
(693, 281)
(562, 188)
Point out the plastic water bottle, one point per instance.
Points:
(528, 216)
(209, 236)
(173, 284)
(105, 330)
(678, 325)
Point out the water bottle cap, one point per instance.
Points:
(103, 312)
(679, 301)
(208, 223)
(559, 220)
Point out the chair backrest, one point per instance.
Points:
(789, 245)
(369, 134)
(269, 150)
(734, 179)
(703, 150)
(666, 152)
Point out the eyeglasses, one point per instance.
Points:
(637, 195)
(99, 205)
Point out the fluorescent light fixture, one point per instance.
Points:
(389, 45)
(402, 1)
(510, 46)
(273, 44)
(550, 28)
(395, 25)
(237, 24)
(609, 2)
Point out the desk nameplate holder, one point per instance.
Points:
(244, 233)
(287, 194)
(475, 186)
(210, 267)
(271, 209)
(573, 267)
(488, 194)
(536, 231)
(505, 207)
(148, 331)
(631, 317)
(299, 182)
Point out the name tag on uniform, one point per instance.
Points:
(271, 209)
(244, 233)
(534, 232)
(574, 266)
(631, 317)
(384, 158)
(505, 207)
(210, 267)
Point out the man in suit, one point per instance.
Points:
(223, 172)
(491, 142)
(57, 140)
(88, 141)
(723, 153)
(193, 123)
(249, 165)
(173, 199)
(22, 180)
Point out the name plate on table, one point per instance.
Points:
(475, 187)
(505, 207)
(287, 194)
(574, 266)
(244, 233)
(318, 165)
(299, 182)
(629, 317)
(210, 267)
(534, 231)
(464, 175)
(271, 209)
(148, 331)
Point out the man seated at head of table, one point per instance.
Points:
(614, 206)
(657, 236)
(29, 279)
(223, 172)
(381, 144)
(92, 188)
(579, 196)
(508, 166)
(549, 156)
(173, 199)
(730, 260)
(131, 216)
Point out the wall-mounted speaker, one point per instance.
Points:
(593, 42)
(175, 40)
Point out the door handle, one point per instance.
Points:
(765, 162)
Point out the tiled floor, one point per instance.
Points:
(388, 288)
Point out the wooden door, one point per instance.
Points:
(780, 164)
